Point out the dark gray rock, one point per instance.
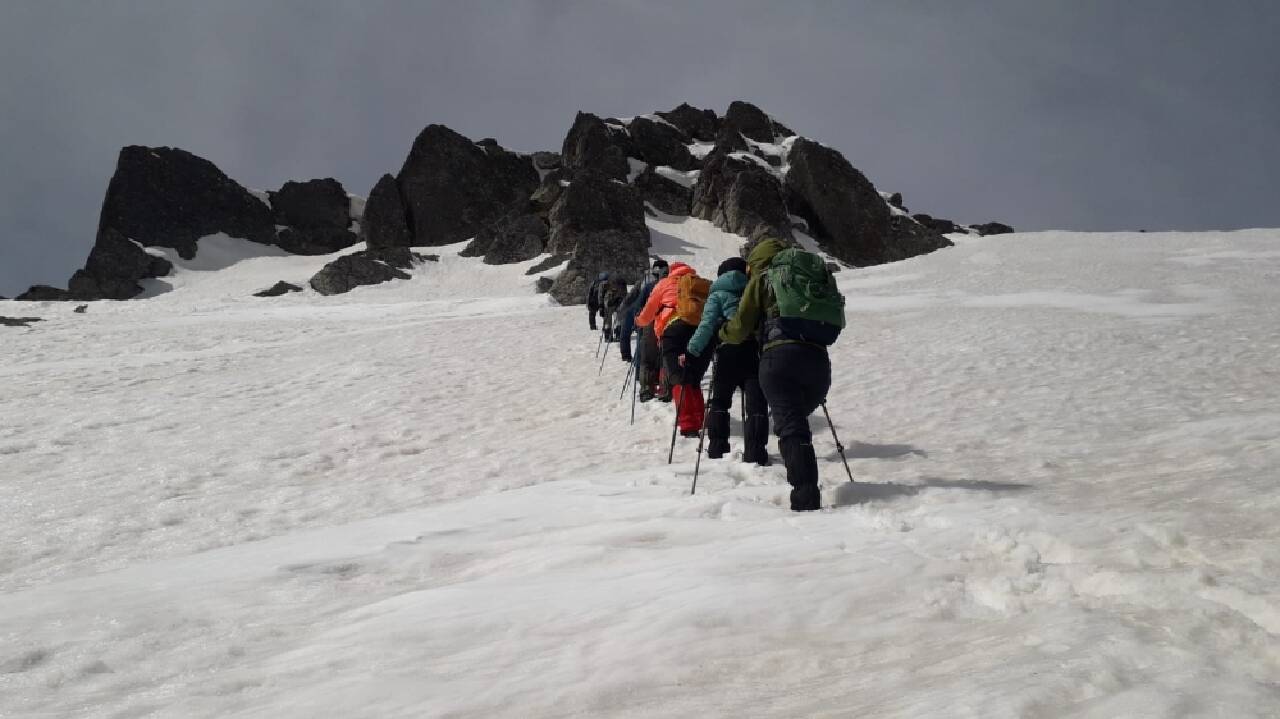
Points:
(279, 288)
(937, 224)
(701, 125)
(367, 267)
(517, 238)
(729, 140)
(18, 321)
(545, 197)
(595, 146)
(751, 121)
(44, 293)
(993, 228)
(666, 195)
(312, 204)
(315, 240)
(81, 309)
(658, 143)
(896, 200)
(548, 263)
(453, 188)
(114, 269)
(547, 160)
(166, 197)
(600, 224)
(385, 222)
(740, 196)
(543, 285)
(848, 216)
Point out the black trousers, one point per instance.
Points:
(675, 340)
(795, 378)
(738, 367)
(648, 359)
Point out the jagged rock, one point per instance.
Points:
(666, 195)
(19, 321)
(658, 143)
(81, 309)
(453, 188)
(937, 224)
(544, 198)
(517, 238)
(543, 285)
(385, 222)
(366, 267)
(547, 160)
(846, 213)
(314, 203)
(315, 240)
(166, 197)
(593, 145)
(278, 289)
(752, 122)
(701, 125)
(44, 293)
(600, 223)
(114, 269)
(543, 266)
(729, 140)
(993, 228)
(896, 200)
(739, 196)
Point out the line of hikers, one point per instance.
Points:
(765, 323)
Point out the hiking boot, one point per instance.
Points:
(806, 498)
(690, 433)
(645, 396)
(664, 398)
(717, 448)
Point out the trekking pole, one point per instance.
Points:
(603, 358)
(599, 342)
(631, 368)
(684, 392)
(635, 389)
(702, 434)
(839, 447)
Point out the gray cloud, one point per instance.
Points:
(1070, 114)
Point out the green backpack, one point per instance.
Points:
(809, 306)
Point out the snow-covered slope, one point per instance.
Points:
(419, 499)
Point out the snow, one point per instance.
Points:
(687, 178)
(701, 149)
(418, 499)
(635, 168)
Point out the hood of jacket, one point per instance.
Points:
(680, 269)
(732, 282)
(762, 255)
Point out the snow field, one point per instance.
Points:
(419, 499)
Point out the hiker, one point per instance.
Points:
(657, 312)
(736, 367)
(792, 302)
(593, 298)
(684, 374)
(647, 364)
(612, 292)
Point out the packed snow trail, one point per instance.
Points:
(418, 499)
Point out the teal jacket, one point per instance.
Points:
(722, 304)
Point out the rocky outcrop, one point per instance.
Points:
(385, 222)
(937, 224)
(659, 143)
(701, 125)
(593, 145)
(543, 285)
(753, 123)
(18, 321)
(114, 269)
(518, 237)
(453, 187)
(993, 228)
(166, 197)
(599, 223)
(316, 215)
(740, 196)
(279, 288)
(366, 267)
(44, 293)
(665, 194)
(846, 213)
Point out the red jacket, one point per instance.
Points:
(662, 301)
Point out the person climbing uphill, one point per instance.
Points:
(736, 366)
(653, 318)
(684, 375)
(612, 292)
(791, 300)
(647, 357)
(593, 298)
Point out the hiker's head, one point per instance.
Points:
(733, 264)
(762, 255)
(602, 276)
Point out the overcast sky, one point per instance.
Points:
(1110, 114)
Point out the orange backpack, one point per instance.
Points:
(691, 296)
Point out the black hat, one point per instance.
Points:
(731, 264)
(659, 263)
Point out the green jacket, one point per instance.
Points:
(757, 299)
